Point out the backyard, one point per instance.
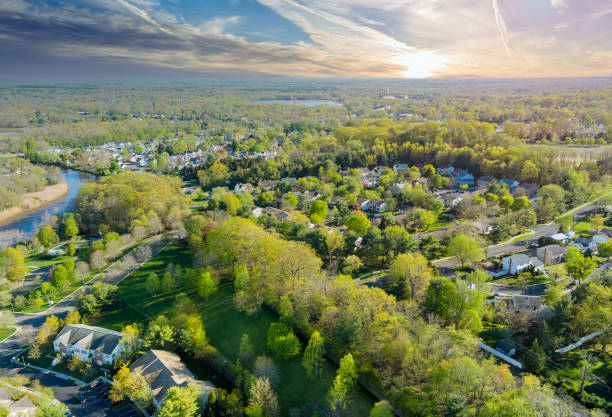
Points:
(224, 328)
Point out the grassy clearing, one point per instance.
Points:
(4, 333)
(522, 237)
(224, 328)
(568, 370)
(41, 260)
(521, 281)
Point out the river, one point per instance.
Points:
(26, 224)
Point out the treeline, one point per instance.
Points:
(424, 369)
(18, 177)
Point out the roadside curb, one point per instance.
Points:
(17, 329)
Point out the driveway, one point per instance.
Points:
(65, 391)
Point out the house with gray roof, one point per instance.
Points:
(89, 343)
(519, 263)
(551, 254)
(163, 370)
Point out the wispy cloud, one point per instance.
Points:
(501, 25)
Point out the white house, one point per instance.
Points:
(520, 263)
(241, 188)
(377, 205)
(446, 171)
(163, 370)
(400, 168)
(89, 343)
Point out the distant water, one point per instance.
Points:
(307, 103)
(27, 224)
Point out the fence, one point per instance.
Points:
(579, 343)
(500, 355)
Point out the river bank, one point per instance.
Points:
(33, 201)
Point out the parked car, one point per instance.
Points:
(80, 398)
(94, 384)
(104, 390)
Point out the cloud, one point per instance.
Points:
(501, 25)
(558, 4)
(356, 38)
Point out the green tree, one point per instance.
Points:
(69, 228)
(60, 277)
(358, 224)
(605, 249)
(506, 202)
(47, 236)
(152, 283)
(180, 402)
(262, 399)
(12, 264)
(129, 385)
(334, 240)
(466, 249)
(535, 359)
(382, 409)
(246, 353)
(205, 285)
(521, 203)
(344, 382)
(409, 276)
(282, 341)
(318, 211)
(578, 266)
(313, 355)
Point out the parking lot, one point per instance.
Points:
(95, 405)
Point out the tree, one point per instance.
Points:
(129, 385)
(605, 249)
(521, 203)
(351, 264)
(246, 353)
(535, 359)
(282, 341)
(382, 409)
(265, 367)
(72, 317)
(313, 355)
(358, 224)
(578, 266)
(587, 363)
(12, 264)
(344, 382)
(60, 277)
(130, 339)
(152, 284)
(97, 260)
(47, 236)
(7, 319)
(318, 211)
(205, 285)
(262, 397)
(180, 402)
(506, 202)
(409, 276)
(334, 240)
(466, 249)
(69, 228)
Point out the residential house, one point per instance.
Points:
(599, 239)
(241, 188)
(310, 195)
(526, 189)
(485, 181)
(267, 185)
(606, 232)
(377, 205)
(517, 303)
(399, 187)
(462, 178)
(446, 171)
(551, 254)
(89, 343)
(584, 244)
(519, 263)
(163, 370)
(256, 211)
(279, 214)
(512, 184)
(526, 303)
(451, 199)
(380, 169)
(290, 180)
(400, 168)
(22, 407)
(559, 237)
(483, 229)
(360, 203)
(370, 181)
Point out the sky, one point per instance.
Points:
(83, 39)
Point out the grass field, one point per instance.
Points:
(224, 328)
(569, 366)
(4, 333)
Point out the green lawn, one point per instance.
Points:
(42, 260)
(4, 333)
(522, 237)
(582, 228)
(224, 328)
(521, 282)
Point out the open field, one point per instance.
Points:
(224, 328)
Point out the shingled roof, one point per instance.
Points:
(90, 337)
(163, 370)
